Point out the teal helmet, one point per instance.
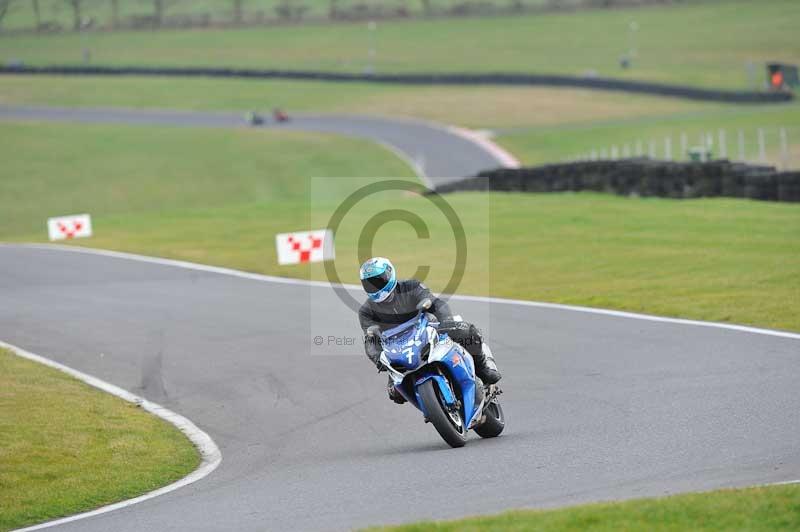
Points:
(378, 278)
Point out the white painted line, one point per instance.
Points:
(418, 168)
(782, 483)
(324, 284)
(209, 452)
(633, 315)
(477, 137)
(501, 155)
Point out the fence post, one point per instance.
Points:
(651, 149)
(668, 148)
(784, 149)
(684, 146)
(626, 151)
(614, 153)
(593, 155)
(742, 154)
(762, 148)
(604, 154)
(639, 148)
(723, 145)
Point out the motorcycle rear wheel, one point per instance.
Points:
(494, 423)
(448, 423)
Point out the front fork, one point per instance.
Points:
(445, 391)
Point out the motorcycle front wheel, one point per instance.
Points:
(448, 421)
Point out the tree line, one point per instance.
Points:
(84, 14)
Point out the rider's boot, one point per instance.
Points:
(485, 366)
(394, 395)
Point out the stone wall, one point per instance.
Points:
(642, 177)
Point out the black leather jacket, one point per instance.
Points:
(401, 306)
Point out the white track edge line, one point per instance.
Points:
(483, 299)
(209, 452)
(416, 167)
(779, 483)
(500, 154)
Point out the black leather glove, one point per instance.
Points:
(372, 346)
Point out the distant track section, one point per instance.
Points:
(547, 80)
(438, 153)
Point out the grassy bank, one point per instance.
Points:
(763, 508)
(543, 144)
(66, 447)
(700, 44)
(144, 172)
(714, 259)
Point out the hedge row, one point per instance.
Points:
(642, 177)
(596, 83)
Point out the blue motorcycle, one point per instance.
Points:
(437, 375)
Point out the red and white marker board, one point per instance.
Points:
(67, 227)
(305, 246)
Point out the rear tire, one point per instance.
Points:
(446, 426)
(495, 421)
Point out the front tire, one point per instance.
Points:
(494, 423)
(449, 424)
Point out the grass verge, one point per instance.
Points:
(66, 447)
(713, 259)
(706, 43)
(543, 144)
(761, 508)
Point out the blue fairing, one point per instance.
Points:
(444, 390)
(460, 368)
(405, 347)
(403, 344)
(462, 372)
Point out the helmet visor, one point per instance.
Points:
(376, 283)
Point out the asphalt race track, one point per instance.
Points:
(438, 152)
(598, 406)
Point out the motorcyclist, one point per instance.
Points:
(391, 302)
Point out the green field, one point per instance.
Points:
(544, 144)
(66, 447)
(153, 171)
(714, 259)
(762, 508)
(699, 44)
